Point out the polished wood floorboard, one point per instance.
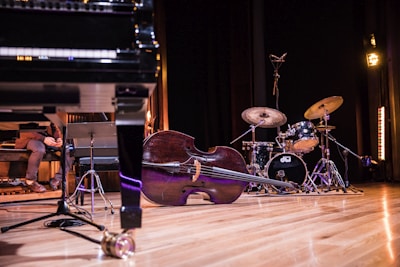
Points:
(335, 229)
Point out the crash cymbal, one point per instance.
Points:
(324, 106)
(271, 117)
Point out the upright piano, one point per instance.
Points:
(82, 56)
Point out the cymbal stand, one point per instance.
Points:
(325, 168)
(252, 129)
(253, 167)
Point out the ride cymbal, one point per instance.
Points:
(271, 117)
(322, 107)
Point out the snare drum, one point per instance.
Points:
(287, 167)
(305, 137)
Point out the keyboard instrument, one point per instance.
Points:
(82, 56)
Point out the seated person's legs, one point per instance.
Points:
(38, 150)
(55, 182)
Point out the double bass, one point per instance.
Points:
(173, 168)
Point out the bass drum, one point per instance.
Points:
(287, 167)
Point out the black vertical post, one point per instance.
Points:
(130, 120)
(130, 149)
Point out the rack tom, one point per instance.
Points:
(305, 138)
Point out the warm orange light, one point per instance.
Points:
(149, 124)
(372, 59)
(24, 58)
(148, 116)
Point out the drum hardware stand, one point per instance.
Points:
(346, 168)
(253, 167)
(308, 187)
(281, 140)
(252, 130)
(345, 152)
(330, 175)
(63, 208)
(253, 146)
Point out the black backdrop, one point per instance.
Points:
(212, 63)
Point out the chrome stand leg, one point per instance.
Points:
(312, 187)
(95, 179)
(328, 173)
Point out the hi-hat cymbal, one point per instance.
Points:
(323, 107)
(270, 117)
(322, 128)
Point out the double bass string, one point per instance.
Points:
(186, 168)
(228, 174)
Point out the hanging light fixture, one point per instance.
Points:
(372, 59)
(372, 54)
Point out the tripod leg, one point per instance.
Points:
(316, 173)
(102, 194)
(309, 179)
(78, 188)
(62, 210)
(6, 228)
(336, 177)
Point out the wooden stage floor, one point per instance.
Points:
(330, 229)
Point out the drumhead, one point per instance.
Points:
(287, 167)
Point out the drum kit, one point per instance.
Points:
(283, 158)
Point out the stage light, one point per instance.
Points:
(372, 53)
(372, 59)
(381, 133)
(372, 40)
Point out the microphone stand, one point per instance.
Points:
(276, 63)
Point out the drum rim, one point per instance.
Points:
(258, 142)
(303, 122)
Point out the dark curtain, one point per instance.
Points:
(211, 67)
(208, 68)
